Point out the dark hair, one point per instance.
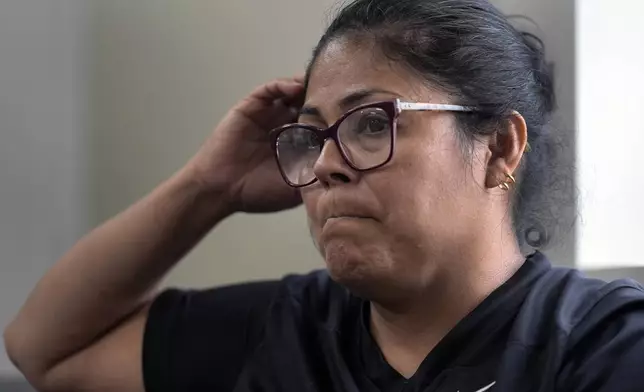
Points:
(470, 49)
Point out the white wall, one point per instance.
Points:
(43, 113)
(611, 132)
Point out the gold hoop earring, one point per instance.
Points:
(509, 179)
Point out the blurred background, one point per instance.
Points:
(101, 100)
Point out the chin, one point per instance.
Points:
(367, 271)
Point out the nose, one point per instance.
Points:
(331, 168)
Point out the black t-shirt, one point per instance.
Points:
(545, 329)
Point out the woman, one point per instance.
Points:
(410, 154)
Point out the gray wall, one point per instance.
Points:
(167, 71)
(14, 385)
(43, 129)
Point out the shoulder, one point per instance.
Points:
(597, 327)
(579, 302)
(601, 302)
(217, 330)
(605, 345)
(313, 292)
(567, 300)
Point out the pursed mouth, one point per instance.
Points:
(347, 217)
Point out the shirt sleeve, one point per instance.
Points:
(199, 340)
(606, 352)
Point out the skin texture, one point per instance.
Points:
(432, 223)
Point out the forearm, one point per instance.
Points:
(112, 271)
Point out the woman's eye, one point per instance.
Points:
(373, 125)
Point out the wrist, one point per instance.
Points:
(210, 197)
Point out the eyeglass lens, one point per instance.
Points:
(364, 139)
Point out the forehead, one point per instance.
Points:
(345, 66)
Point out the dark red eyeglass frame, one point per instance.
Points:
(392, 108)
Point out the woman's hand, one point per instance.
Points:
(238, 161)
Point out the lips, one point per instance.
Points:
(347, 215)
(344, 218)
(345, 221)
(334, 205)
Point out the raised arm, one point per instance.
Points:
(82, 326)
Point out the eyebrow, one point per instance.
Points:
(347, 102)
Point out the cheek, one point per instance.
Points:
(426, 186)
(422, 169)
(310, 198)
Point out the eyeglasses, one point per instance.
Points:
(365, 136)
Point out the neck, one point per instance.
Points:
(407, 331)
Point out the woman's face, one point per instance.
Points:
(395, 228)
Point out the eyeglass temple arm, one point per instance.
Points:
(442, 107)
(433, 107)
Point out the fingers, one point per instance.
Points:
(284, 113)
(260, 105)
(287, 90)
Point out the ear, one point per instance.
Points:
(506, 149)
